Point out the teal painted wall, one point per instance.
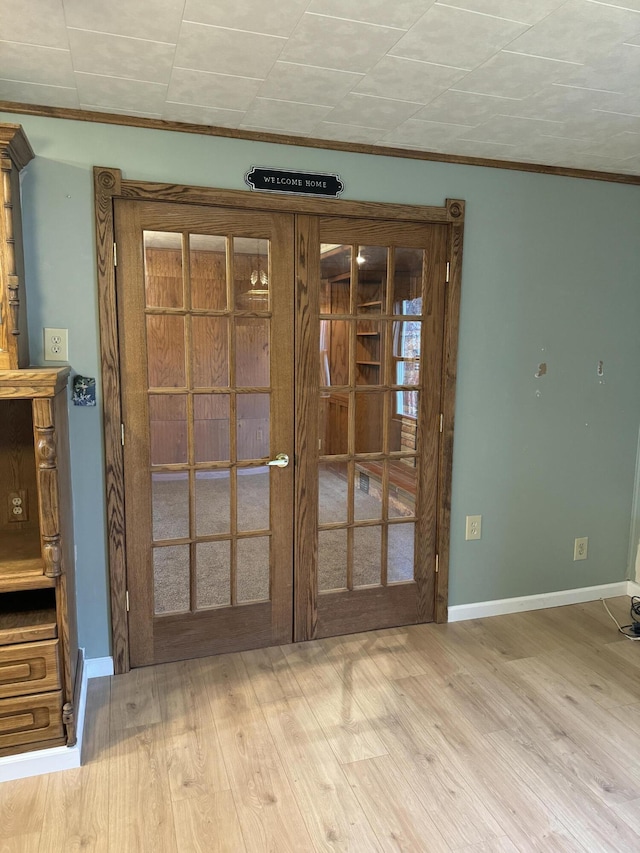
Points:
(550, 274)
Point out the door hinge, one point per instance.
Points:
(122, 434)
(115, 255)
(126, 596)
(441, 421)
(448, 271)
(437, 563)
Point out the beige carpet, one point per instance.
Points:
(212, 515)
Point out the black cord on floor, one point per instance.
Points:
(632, 631)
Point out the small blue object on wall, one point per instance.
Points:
(84, 391)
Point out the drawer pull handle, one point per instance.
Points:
(14, 672)
(16, 722)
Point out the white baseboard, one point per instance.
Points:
(97, 667)
(43, 761)
(480, 609)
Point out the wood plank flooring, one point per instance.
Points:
(505, 735)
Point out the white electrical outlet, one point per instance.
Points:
(473, 529)
(56, 345)
(580, 548)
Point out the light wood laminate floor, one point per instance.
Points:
(515, 733)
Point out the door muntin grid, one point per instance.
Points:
(371, 339)
(208, 325)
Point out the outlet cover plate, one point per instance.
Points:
(473, 527)
(56, 345)
(581, 548)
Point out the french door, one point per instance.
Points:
(280, 380)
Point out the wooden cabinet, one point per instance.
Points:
(38, 645)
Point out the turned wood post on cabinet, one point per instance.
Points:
(38, 638)
(15, 153)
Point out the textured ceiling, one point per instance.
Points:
(554, 82)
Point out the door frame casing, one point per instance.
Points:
(109, 186)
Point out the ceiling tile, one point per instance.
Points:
(559, 101)
(284, 115)
(206, 89)
(118, 93)
(202, 115)
(294, 82)
(555, 151)
(512, 75)
(465, 108)
(579, 31)
(372, 112)
(277, 19)
(598, 126)
(37, 22)
(621, 145)
(158, 20)
(400, 13)
(333, 43)
(429, 135)
(409, 79)
(138, 113)
(511, 130)
(348, 132)
(456, 37)
(35, 64)
(36, 93)
(526, 11)
(491, 150)
(121, 56)
(618, 71)
(204, 48)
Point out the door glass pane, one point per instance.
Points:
(372, 279)
(369, 418)
(163, 269)
(253, 498)
(403, 427)
(406, 352)
(253, 569)
(252, 353)
(211, 427)
(366, 555)
(332, 492)
(210, 347)
(400, 552)
(170, 502)
(334, 423)
(212, 574)
(212, 502)
(165, 351)
(251, 273)
(335, 279)
(334, 352)
(369, 352)
(367, 493)
(407, 278)
(253, 426)
(208, 267)
(168, 428)
(171, 579)
(332, 559)
(402, 488)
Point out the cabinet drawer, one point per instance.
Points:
(29, 719)
(29, 668)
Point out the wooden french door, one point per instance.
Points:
(255, 515)
(370, 309)
(204, 313)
